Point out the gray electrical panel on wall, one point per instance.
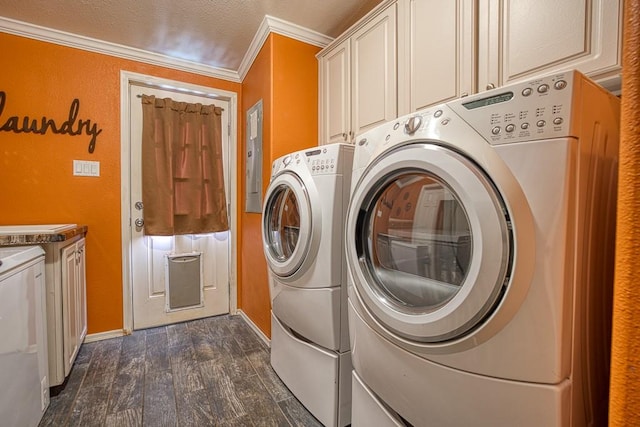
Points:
(253, 159)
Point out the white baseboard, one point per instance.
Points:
(253, 326)
(104, 335)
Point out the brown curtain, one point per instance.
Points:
(182, 168)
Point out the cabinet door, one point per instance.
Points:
(438, 59)
(522, 39)
(81, 290)
(335, 94)
(374, 62)
(69, 306)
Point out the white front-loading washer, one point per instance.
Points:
(479, 239)
(302, 232)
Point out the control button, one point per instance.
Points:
(495, 130)
(560, 84)
(445, 122)
(541, 123)
(510, 127)
(527, 91)
(387, 138)
(396, 126)
(543, 88)
(437, 114)
(286, 160)
(558, 121)
(362, 141)
(524, 126)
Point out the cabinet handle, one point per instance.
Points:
(344, 136)
(464, 94)
(491, 86)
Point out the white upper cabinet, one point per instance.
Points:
(335, 95)
(519, 40)
(358, 82)
(436, 49)
(407, 55)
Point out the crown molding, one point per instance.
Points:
(271, 24)
(49, 35)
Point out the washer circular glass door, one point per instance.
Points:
(431, 245)
(286, 224)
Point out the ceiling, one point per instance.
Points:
(213, 33)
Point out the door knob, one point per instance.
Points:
(139, 222)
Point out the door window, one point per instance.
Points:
(283, 223)
(418, 242)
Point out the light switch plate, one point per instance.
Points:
(86, 168)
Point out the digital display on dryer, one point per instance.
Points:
(490, 100)
(312, 153)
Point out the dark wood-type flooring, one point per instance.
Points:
(207, 372)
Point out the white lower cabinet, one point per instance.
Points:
(74, 315)
(66, 304)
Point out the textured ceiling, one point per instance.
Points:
(215, 33)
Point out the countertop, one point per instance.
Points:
(12, 235)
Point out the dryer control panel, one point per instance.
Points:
(322, 160)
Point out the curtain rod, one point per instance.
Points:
(140, 96)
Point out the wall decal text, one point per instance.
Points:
(72, 126)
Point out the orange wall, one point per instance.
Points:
(285, 76)
(624, 399)
(36, 182)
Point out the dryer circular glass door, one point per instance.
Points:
(429, 242)
(286, 225)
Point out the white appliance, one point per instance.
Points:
(302, 231)
(23, 347)
(480, 243)
(65, 288)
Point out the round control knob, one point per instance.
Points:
(560, 84)
(543, 88)
(510, 127)
(524, 126)
(558, 121)
(413, 124)
(437, 114)
(527, 91)
(541, 123)
(495, 130)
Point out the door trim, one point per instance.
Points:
(126, 79)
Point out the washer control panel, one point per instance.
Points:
(536, 109)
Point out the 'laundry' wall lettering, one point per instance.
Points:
(72, 126)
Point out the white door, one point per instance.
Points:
(149, 253)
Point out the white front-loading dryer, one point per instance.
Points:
(302, 233)
(479, 243)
